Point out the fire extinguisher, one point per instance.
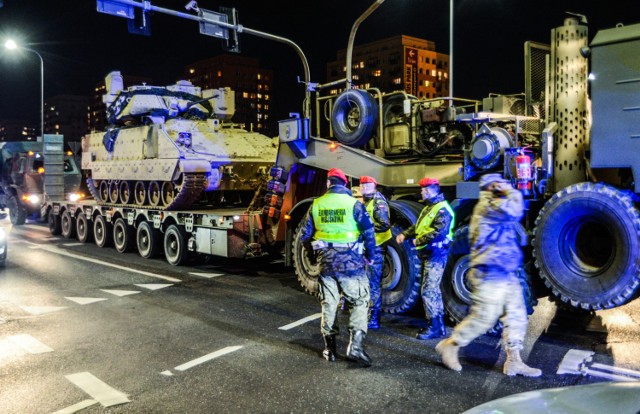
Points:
(523, 172)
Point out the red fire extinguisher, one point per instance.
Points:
(523, 172)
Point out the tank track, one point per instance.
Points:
(188, 193)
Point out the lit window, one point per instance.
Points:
(377, 72)
(259, 76)
(259, 87)
(259, 96)
(433, 72)
(266, 116)
(397, 81)
(245, 94)
(192, 71)
(355, 77)
(446, 75)
(367, 85)
(426, 83)
(333, 92)
(361, 65)
(219, 73)
(266, 97)
(344, 68)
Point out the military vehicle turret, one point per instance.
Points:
(170, 147)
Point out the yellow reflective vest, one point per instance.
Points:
(424, 226)
(383, 236)
(333, 218)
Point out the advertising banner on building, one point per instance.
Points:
(411, 70)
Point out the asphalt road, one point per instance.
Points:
(84, 329)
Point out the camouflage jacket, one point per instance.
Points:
(493, 234)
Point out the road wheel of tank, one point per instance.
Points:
(154, 193)
(401, 276)
(102, 233)
(587, 246)
(53, 222)
(68, 225)
(354, 117)
(123, 236)
(175, 245)
(455, 286)
(306, 272)
(84, 229)
(140, 193)
(103, 191)
(113, 191)
(168, 192)
(148, 240)
(17, 212)
(125, 192)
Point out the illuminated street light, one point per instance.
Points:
(11, 45)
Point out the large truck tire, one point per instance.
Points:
(306, 271)
(53, 222)
(68, 225)
(455, 287)
(84, 229)
(175, 245)
(124, 237)
(354, 117)
(17, 212)
(148, 240)
(401, 276)
(587, 246)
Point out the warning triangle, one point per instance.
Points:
(121, 292)
(154, 286)
(84, 301)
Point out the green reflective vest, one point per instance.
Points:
(424, 226)
(380, 237)
(333, 217)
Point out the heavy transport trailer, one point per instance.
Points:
(225, 232)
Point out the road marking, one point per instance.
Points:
(206, 358)
(73, 244)
(207, 275)
(76, 407)
(40, 310)
(63, 252)
(84, 301)
(30, 344)
(39, 228)
(168, 373)
(98, 390)
(51, 238)
(121, 292)
(153, 286)
(301, 321)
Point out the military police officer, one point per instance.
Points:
(432, 235)
(378, 209)
(338, 227)
(497, 292)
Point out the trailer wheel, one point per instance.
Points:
(53, 222)
(354, 117)
(401, 276)
(68, 225)
(306, 272)
(17, 212)
(148, 240)
(101, 231)
(587, 246)
(175, 245)
(123, 236)
(83, 229)
(455, 287)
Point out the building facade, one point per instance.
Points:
(396, 63)
(67, 115)
(19, 130)
(251, 83)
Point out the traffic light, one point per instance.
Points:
(141, 23)
(232, 42)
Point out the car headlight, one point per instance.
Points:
(75, 196)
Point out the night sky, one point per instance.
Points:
(80, 46)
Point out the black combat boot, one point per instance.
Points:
(329, 352)
(436, 329)
(355, 350)
(374, 319)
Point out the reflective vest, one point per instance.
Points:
(424, 226)
(333, 217)
(383, 236)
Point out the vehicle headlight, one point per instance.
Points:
(75, 196)
(32, 198)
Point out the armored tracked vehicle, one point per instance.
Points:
(168, 147)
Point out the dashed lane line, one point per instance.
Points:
(300, 322)
(41, 310)
(153, 286)
(63, 252)
(106, 395)
(77, 407)
(72, 244)
(84, 301)
(120, 292)
(203, 359)
(207, 275)
(30, 344)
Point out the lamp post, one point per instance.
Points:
(11, 45)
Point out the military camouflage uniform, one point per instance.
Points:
(495, 259)
(342, 271)
(381, 224)
(434, 257)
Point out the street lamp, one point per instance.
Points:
(11, 45)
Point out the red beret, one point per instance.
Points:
(336, 172)
(428, 181)
(366, 179)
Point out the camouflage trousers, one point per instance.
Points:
(432, 271)
(492, 300)
(374, 272)
(355, 289)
